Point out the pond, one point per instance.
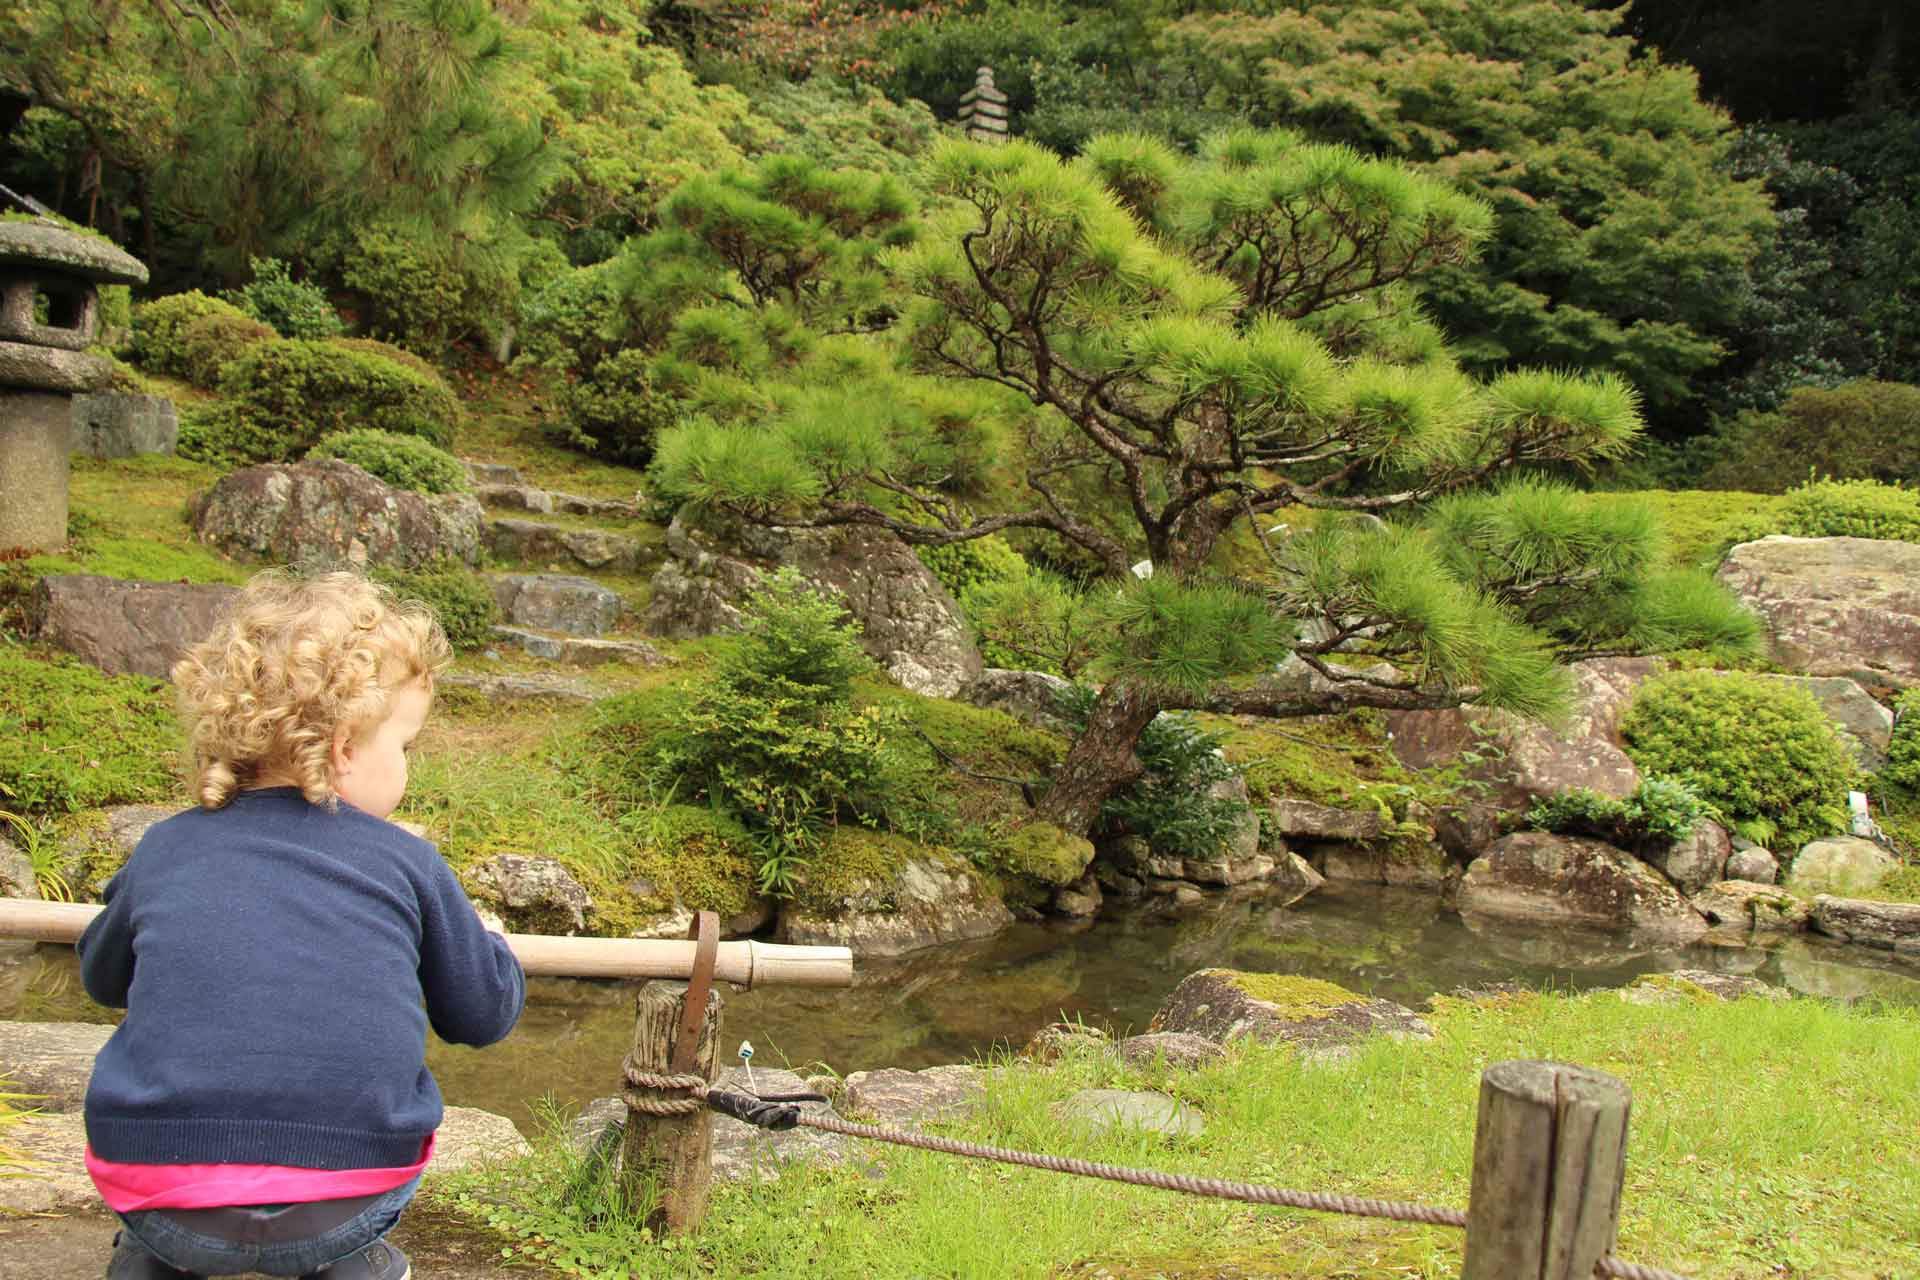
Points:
(960, 1002)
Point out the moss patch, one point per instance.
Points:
(1291, 995)
(1044, 852)
(1341, 761)
(693, 854)
(72, 738)
(1700, 525)
(851, 860)
(1902, 886)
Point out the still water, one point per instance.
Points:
(955, 1003)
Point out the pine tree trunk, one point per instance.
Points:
(1101, 760)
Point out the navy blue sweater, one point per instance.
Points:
(273, 958)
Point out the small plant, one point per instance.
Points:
(43, 856)
(1662, 809)
(293, 307)
(460, 598)
(1170, 804)
(1759, 750)
(406, 462)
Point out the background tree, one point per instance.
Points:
(1177, 324)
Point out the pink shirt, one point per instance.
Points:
(130, 1188)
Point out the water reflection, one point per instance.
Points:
(958, 1002)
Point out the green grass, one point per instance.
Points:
(130, 518)
(1767, 1140)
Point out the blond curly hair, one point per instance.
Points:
(293, 662)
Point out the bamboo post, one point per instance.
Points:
(670, 1157)
(1549, 1161)
(746, 963)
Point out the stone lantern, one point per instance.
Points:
(43, 364)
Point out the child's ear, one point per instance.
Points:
(342, 753)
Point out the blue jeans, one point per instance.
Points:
(188, 1250)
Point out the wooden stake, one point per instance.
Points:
(1549, 1161)
(668, 1160)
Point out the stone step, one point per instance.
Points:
(514, 497)
(482, 473)
(579, 651)
(537, 687)
(574, 504)
(560, 602)
(531, 541)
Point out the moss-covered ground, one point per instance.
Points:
(1767, 1140)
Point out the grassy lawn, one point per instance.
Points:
(1767, 1140)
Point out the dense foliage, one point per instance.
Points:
(1175, 805)
(1850, 509)
(405, 462)
(1660, 809)
(1761, 751)
(1856, 431)
(461, 599)
(295, 308)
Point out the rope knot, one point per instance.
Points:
(645, 1087)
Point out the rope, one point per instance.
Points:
(769, 1113)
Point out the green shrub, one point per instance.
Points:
(159, 344)
(406, 462)
(72, 738)
(616, 411)
(1663, 809)
(460, 598)
(1169, 805)
(420, 294)
(1903, 752)
(399, 355)
(293, 307)
(1859, 431)
(774, 740)
(1760, 751)
(282, 397)
(1851, 509)
(209, 342)
(963, 567)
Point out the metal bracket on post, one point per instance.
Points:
(705, 932)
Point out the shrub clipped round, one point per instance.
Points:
(616, 411)
(1852, 509)
(459, 597)
(209, 342)
(159, 337)
(406, 462)
(293, 307)
(284, 396)
(399, 355)
(1760, 751)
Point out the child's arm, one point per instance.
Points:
(471, 978)
(106, 948)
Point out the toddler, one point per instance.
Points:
(281, 950)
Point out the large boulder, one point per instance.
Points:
(1752, 863)
(536, 894)
(556, 602)
(1032, 697)
(927, 900)
(1303, 818)
(111, 425)
(1840, 865)
(909, 624)
(1892, 926)
(332, 511)
(1223, 1004)
(1530, 760)
(125, 628)
(1568, 879)
(1743, 904)
(1865, 725)
(1696, 860)
(1834, 606)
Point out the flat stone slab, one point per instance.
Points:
(125, 628)
(1289, 817)
(904, 1098)
(56, 1178)
(574, 504)
(1744, 904)
(532, 541)
(1222, 1005)
(52, 249)
(51, 1060)
(580, 651)
(494, 473)
(1131, 1109)
(562, 602)
(1685, 986)
(1182, 1050)
(1890, 926)
(514, 497)
(539, 687)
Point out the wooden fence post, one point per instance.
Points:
(671, 1156)
(1549, 1160)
